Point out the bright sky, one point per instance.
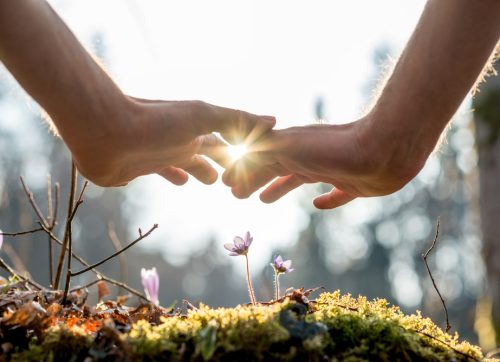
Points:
(266, 57)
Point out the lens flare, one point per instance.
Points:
(236, 151)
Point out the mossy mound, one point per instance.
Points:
(334, 327)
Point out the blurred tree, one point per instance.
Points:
(487, 121)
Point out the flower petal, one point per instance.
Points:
(239, 242)
(233, 254)
(229, 246)
(248, 239)
(287, 264)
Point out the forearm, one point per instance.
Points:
(53, 67)
(446, 53)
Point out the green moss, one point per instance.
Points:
(335, 326)
(57, 344)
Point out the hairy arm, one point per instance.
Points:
(441, 62)
(50, 63)
(381, 152)
(113, 138)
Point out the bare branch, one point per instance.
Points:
(124, 286)
(79, 201)
(142, 236)
(12, 272)
(50, 214)
(84, 187)
(100, 275)
(51, 228)
(15, 259)
(88, 285)
(51, 222)
(50, 233)
(424, 257)
(70, 241)
(71, 202)
(446, 344)
(22, 232)
(33, 203)
(57, 200)
(117, 244)
(69, 258)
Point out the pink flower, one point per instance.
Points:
(280, 266)
(240, 245)
(151, 283)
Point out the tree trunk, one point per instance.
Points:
(487, 121)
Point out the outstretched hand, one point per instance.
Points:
(341, 155)
(164, 137)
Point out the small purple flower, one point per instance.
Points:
(151, 283)
(280, 266)
(239, 246)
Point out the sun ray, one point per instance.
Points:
(236, 151)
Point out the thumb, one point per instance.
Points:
(332, 199)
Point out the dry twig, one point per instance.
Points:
(88, 285)
(446, 344)
(48, 224)
(117, 244)
(99, 274)
(15, 259)
(23, 232)
(141, 236)
(67, 230)
(70, 241)
(50, 220)
(12, 272)
(32, 201)
(424, 257)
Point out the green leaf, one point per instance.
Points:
(206, 341)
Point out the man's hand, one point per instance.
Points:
(345, 156)
(163, 137)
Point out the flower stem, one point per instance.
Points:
(249, 283)
(276, 285)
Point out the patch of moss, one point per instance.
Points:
(335, 327)
(56, 344)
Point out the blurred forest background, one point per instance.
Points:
(375, 251)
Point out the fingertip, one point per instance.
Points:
(265, 199)
(240, 193)
(178, 181)
(332, 200)
(269, 195)
(174, 175)
(226, 178)
(210, 180)
(271, 120)
(321, 204)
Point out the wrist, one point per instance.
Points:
(395, 150)
(98, 139)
